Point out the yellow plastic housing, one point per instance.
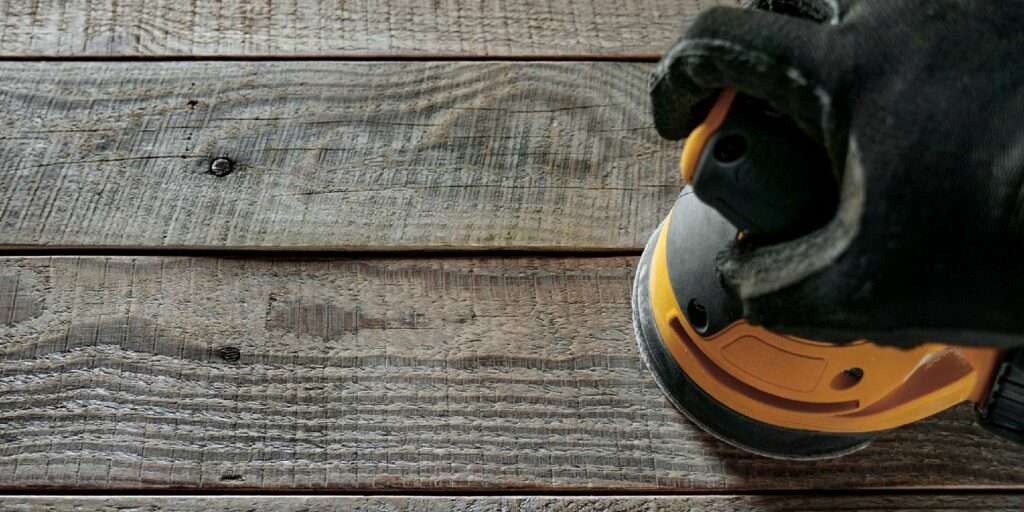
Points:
(801, 384)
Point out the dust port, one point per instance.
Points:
(697, 315)
(847, 379)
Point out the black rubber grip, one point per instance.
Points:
(764, 175)
(1003, 413)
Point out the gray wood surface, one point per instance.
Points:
(342, 28)
(414, 373)
(331, 155)
(856, 503)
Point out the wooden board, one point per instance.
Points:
(855, 503)
(343, 28)
(331, 155)
(416, 373)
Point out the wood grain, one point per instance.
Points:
(331, 155)
(415, 373)
(343, 28)
(855, 503)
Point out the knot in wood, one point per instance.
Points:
(230, 354)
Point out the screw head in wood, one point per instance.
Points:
(221, 166)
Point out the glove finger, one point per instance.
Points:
(821, 11)
(770, 56)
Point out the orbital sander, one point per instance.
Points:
(753, 177)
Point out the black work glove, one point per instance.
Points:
(920, 106)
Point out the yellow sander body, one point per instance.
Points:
(776, 395)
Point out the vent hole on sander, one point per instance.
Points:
(730, 148)
(848, 378)
(697, 315)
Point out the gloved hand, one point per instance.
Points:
(920, 106)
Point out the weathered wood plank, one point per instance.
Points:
(342, 28)
(518, 373)
(330, 155)
(853, 503)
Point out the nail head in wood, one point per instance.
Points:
(221, 166)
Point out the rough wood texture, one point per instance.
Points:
(343, 28)
(380, 373)
(857, 503)
(331, 155)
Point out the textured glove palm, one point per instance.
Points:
(920, 106)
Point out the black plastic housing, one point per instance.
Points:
(1003, 413)
(764, 175)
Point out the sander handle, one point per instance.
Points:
(759, 170)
